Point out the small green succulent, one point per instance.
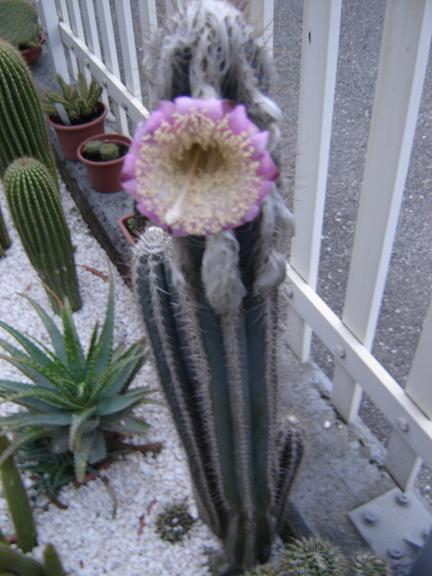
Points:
(80, 100)
(76, 399)
(19, 23)
(101, 151)
(174, 523)
(313, 557)
(367, 564)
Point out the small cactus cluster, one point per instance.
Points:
(4, 236)
(19, 23)
(98, 151)
(38, 217)
(319, 557)
(13, 561)
(23, 131)
(174, 523)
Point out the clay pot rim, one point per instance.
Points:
(78, 127)
(106, 137)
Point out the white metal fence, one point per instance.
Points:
(83, 34)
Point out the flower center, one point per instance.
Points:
(198, 159)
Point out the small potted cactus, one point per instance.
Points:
(76, 113)
(19, 25)
(103, 156)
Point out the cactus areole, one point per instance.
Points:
(199, 166)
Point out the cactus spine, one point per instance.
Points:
(38, 217)
(23, 131)
(18, 504)
(4, 236)
(218, 373)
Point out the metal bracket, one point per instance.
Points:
(395, 525)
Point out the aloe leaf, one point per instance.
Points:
(21, 440)
(98, 450)
(34, 351)
(104, 346)
(114, 378)
(125, 425)
(50, 326)
(25, 420)
(50, 397)
(78, 420)
(81, 455)
(30, 369)
(72, 344)
(12, 350)
(119, 403)
(92, 345)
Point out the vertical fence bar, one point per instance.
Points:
(404, 55)
(128, 47)
(49, 18)
(148, 16)
(66, 20)
(320, 40)
(103, 11)
(78, 28)
(261, 15)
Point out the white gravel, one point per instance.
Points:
(89, 540)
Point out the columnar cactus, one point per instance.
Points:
(219, 375)
(4, 236)
(23, 131)
(18, 504)
(38, 217)
(201, 169)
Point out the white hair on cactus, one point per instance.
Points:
(220, 273)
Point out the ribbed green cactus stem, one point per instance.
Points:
(109, 151)
(4, 236)
(23, 130)
(17, 501)
(18, 563)
(313, 557)
(39, 219)
(52, 562)
(367, 564)
(19, 23)
(219, 375)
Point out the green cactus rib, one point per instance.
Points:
(19, 23)
(52, 562)
(38, 217)
(18, 563)
(219, 375)
(23, 131)
(4, 236)
(18, 503)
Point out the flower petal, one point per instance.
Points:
(267, 168)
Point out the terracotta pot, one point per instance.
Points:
(70, 137)
(31, 55)
(104, 176)
(122, 224)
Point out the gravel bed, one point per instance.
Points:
(89, 540)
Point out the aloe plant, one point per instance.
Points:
(77, 398)
(39, 219)
(19, 23)
(23, 131)
(79, 101)
(4, 236)
(14, 563)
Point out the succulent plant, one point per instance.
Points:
(38, 217)
(367, 564)
(52, 562)
(19, 23)
(80, 100)
(174, 523)
(23, 131)
(77, 399)
(264, 570)
(18, 504)
(14, 563)
(4, 236)
(313, 557)
(101, 151)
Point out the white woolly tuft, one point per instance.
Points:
(180, 262)
(220, 273)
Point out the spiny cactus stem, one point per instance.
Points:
(18, 503)
(5, 241)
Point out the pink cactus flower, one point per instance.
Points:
(197, 167)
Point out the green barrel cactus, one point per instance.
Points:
(18, 503)
(4, 236)
(19, 23)
(219, 376)
(367, 564)
(313, 557)
(23, 131)
(38, 217)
